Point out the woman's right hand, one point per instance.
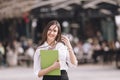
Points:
(56, 65)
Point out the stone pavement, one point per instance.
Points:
(82, 72)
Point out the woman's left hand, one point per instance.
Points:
(66, 41)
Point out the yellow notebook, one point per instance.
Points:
(48, 57)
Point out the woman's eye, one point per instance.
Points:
(54, 30)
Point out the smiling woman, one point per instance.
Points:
(52, 39)
(51, 34)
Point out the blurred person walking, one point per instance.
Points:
(13, 49)
(2, 53)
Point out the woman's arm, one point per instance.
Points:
(42, 72)
(73, 58)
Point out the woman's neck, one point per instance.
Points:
(51, 43)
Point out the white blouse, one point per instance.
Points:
(63, 57)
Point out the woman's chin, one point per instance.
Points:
(51, 40)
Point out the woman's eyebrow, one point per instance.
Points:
(54, 27)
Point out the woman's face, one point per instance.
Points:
(52, 33)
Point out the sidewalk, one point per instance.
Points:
(16, 73)
(95, 72)
(82, 72)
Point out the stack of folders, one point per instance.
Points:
(48, 57)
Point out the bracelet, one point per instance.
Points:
(69, 49)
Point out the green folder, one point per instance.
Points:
(48, 57)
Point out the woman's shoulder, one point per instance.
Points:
(60, 44)
(37, 51)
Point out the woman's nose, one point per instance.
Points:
(51, 32)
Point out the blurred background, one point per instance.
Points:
(93, 27)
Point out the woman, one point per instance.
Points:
(52, 39)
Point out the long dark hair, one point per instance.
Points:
(44, 34)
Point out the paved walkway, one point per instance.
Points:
(95, 72)
(82, 72)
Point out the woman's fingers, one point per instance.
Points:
(64, 39)
(56, 64)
